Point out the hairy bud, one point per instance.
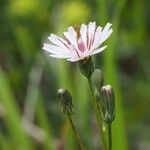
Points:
(108, 103)
(66, 101)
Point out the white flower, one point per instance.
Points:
(77, 46)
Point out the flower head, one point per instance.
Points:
(79, 45)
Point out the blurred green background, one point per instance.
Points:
(30, 115)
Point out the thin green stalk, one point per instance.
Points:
(109, 136)
(76, 133)
(83, 107)
(97, 113)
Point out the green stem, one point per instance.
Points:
(97, 113)
(76, 133)
(109, 136)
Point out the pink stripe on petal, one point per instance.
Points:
(71, 36)
(81, 45)
(91, 32)
(101, 35)
(83, 34)
(53, 38)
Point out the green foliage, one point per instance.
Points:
(12, 116)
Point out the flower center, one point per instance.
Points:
(81, 45)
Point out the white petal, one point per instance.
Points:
(98, 50)
(91, 28)
(103, 35)
(91, 31)
(74, 59)
(97, 37)
(59, 56)
(106, 36)
(83, 33)
(106, 28)
(71, 36)
(54, 49)
(58, 41)
(106, 32)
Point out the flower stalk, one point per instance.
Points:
(76, 133)
(97, 113)
(109, 136)
(67, 108)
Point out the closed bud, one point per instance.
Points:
(97, 82)
(108, 103)
(66, 101)
(86, 67)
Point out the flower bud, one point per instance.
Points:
(86, 67)
(66, 101)
(108, 103)
(97, 81)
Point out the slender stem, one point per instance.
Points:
(97, 113)
(109, 136)
(76, 133)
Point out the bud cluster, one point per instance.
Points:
(104, 94)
